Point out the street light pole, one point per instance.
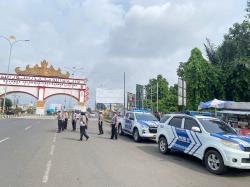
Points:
(8, 70)
(157, 97)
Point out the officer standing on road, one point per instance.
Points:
(63, 121)
(83, 126)
(60, 122)
(74, 118)
(66, 120)
(100, 123)
(114, 124)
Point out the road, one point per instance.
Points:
(32, 154)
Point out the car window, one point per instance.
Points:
(189, 123)
(145, 117)
(131, 116)
(216, 126)
(165, 118)
(176, 122)
(127, 115)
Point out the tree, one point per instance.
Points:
(234, 62)
(202, 79)
(211, 52)
(167, 95)
(248, 10)
(8, 103)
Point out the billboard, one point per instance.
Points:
(139, 96)
(181, 92)
(130, 101)
(109, 96)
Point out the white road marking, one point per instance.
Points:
(46, 174)
(54, 139)
(1, 141)
(52, 149)
(27, 128)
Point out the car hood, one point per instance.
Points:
(149, 123)
(243, 141)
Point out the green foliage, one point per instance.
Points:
(8, 103)
(226, 75)
(167, 95)
(17, 110)
(31, 110)
(202, 80)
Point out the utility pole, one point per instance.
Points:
(124, 97)
(157, 96)
(11, 40)
(151, 99)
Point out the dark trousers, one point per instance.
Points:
(65, 123)
(100, 127)
(60, 125)
(113, 131)
(73, 125)
(83, 132)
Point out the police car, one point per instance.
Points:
(209, 139)
(140, 124)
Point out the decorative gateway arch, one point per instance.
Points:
(43, 82)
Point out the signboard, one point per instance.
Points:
(181, 92)
(32, 81)
(139, 96)
(109, 96)
(130, 101)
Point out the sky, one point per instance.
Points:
(143, 38)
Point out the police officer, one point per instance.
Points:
(66, 120)
(59, 120)
(83, 126)
(114, 125)
(100, 123)
(74, 118)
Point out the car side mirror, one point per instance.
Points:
(196, 129)
(131, 119)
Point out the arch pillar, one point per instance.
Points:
(40, 104)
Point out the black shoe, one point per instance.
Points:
(87, 139)
(80, 140)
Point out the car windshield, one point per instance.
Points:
(216, 126)
(145, 116)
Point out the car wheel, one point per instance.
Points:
(120, 131)
(214, 162)
(136, 135)
(163, 145)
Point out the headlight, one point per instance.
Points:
(144, 126)
(231, 144)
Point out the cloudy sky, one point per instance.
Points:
(108, 37)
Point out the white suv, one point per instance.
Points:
(140, 124)
(209, 139)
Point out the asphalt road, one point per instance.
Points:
(32, 154)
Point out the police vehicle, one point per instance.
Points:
(209, 139)
(141, 124)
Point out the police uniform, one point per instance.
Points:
(83, 127)
(114, 127)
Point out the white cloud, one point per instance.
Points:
(106, 37)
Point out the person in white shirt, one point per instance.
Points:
(100, 123)
(74, 119)
(83, 126)
(114, 125)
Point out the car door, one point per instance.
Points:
(129, 120)
(178, 134)
(193, 137)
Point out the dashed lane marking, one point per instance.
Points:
(1, 141)
(52, 150)
(46, 174)
(27, 128)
